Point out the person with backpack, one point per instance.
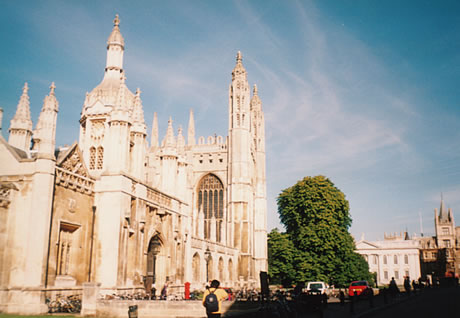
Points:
(212, 299)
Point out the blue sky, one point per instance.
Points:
(363, 92)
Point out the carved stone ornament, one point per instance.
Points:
(5, 191)
(97, 130)
(74, 163)
(72, 205)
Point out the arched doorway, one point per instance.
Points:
(151, 274)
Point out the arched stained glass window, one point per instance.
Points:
(211, 203)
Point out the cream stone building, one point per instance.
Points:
(116, 210)
(396, 256)
(427, 257)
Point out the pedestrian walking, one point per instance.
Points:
(212, 299)
(407, 285)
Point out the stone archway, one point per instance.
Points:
(154, 249)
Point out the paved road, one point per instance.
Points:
(441, 302)
(436, 303)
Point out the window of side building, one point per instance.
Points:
(447, 243)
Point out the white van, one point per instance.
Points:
(317, 288)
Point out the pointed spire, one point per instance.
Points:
(239, 69)
(115, 37)
(22, 116)
(180, 138)
(191, 130)
(169, 140)
(115, 48)
(138, 112)
(239, 57)
(45, 132)
(154, 135)
(442, 211)
(52, 88)
(21, 124)
(50, 102)
(256, 104)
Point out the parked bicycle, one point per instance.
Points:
(69, 304)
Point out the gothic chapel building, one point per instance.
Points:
(114, 210)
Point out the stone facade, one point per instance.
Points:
(437, 256)
(396, 256)
(440, 254)
(114, 210)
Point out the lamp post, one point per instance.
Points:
(92, 242)
(207, 254)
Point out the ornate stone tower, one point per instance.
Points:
(112, 126)
(260, 193)
(240, 198)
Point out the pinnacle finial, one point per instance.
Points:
(116, 21)
(26, 88)
(255, 89)
(239, 57)
(138, 91)
(52, 87)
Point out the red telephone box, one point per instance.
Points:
(187, 290)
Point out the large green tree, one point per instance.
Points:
(316, 216)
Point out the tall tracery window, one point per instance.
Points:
(211, 203)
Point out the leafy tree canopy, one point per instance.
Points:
(281, 258)
(316, 216)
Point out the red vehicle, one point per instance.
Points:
(359, 288)
(229, 292)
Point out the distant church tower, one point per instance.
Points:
(444, 227)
